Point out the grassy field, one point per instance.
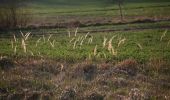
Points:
(96, 12)
(81, 50)
(84, 67)
(141, 45)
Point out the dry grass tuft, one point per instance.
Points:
(90, 40)
(114, 52)
(49, 37)
(23, 45)
(74, 46)
(110, 44)
(163, 35)
(95, 51)
(31, 53)
(104, 42)
(27, 35)
(38, 41)
(69, 33)
(87, 35)
(139, 45)
(81, 43)
(75, 34)
(14, 38)
(22, 34)
(72, 40)
(121, 41)
(52, 43)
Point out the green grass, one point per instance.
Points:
(88, 9)
(43, 14)
(63, 50)
(51, 72)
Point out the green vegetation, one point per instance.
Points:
(141, 45)
(91, 14)
(81, 50)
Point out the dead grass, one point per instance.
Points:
(43, 78)
(128, 66)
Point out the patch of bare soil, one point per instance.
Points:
(87, 21)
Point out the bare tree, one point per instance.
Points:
(119, 3)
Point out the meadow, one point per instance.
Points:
(81, 50)
(44, 14)
(74, 45)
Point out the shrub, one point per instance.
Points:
(12, 14)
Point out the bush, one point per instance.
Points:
(12, 14)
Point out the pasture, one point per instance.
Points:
(81, 50)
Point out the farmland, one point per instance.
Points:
(82, 50)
